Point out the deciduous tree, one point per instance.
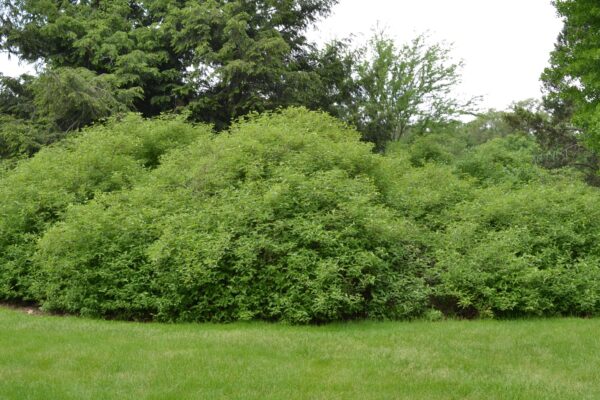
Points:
(406, 88)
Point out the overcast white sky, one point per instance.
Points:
(505, 44)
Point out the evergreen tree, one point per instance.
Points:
(221, 58)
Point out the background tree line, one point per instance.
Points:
(215, 60)
(219, 60)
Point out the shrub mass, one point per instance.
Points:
(281, 219)
(288, 216)
(38, 191)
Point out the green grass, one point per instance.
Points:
(45, 357)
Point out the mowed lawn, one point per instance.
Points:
(44, 357)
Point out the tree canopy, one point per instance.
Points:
(405, 88)
(572, 81)
(222, 58)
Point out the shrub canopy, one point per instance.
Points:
(280, 219)
(38, 191)
(290, 217)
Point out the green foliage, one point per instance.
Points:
(248, 56)
(425, 194)
(422, 193)
(501, 160)
(20, 138)
(289, 216)
(20, 135)
(281, 219)
(37, 192)
(506, 238)
(334, 87)
(71, 98)
(571, 80)
(405, 89)
(117, 37)
(222, 58)
(532, 251)
(37, 111)
(429, 148)
(16, 97)
(558, 139)
(487, 126)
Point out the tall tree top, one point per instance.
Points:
(572, 81)
(212, 53)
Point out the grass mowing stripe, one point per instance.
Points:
(45, 357)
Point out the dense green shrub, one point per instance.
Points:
(506, 237)
(290, 217)
(21, 138)
(423, 194)
(37, 192)
(502, 160)
(68, 99)
(423, 149)
(530, 251)
(280, 219)
(427, 149)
